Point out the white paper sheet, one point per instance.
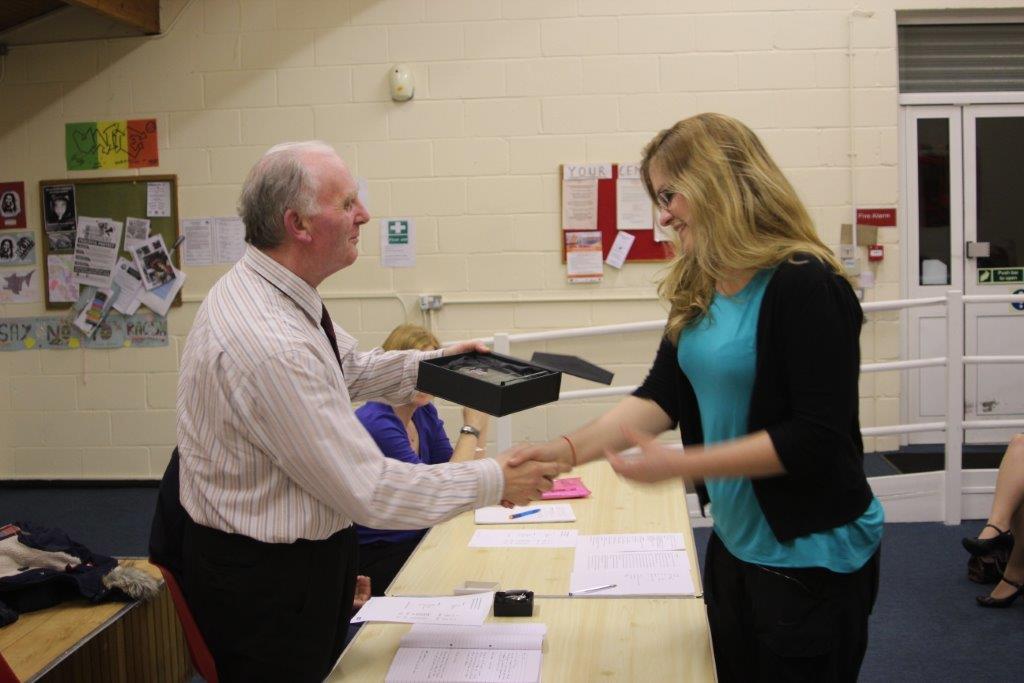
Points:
(620, 249)
(229, 233)
(459, 610)
(397, 242)
(198, 248)
(160, 299)
(523, 538)
(127, 278)
(632, 582)
(657, 560)
(579, 205)
(492, 652)
(617, 543)
(633, 209)
(96, 244)
(415, 665)
(525, 636)
(496, 514)
(136, 232)
(158, 199)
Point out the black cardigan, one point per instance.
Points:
(805, 395)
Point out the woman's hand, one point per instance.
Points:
(362, 593)
(477, 420)
(466, 347)
(656, 462)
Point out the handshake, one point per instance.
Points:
(530, 470)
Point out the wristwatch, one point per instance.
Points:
(466, 429)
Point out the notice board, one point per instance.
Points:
(117, 198)
(644, 248)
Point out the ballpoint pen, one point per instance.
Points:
(524, 513)
(593, 589)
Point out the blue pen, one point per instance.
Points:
(524, 513)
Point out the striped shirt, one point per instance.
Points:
(270, 445)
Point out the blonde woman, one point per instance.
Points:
(759, 367)
(414, 433)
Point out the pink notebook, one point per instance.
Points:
(570, 487)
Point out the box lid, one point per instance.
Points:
(574, 365)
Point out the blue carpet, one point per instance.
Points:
(926, 626)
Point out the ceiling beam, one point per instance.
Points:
(143, 15)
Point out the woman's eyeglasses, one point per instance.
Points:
(664, 198)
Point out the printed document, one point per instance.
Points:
(492, 653)
(523, 538)
(459, 610)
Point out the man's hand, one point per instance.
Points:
(466, 347)
(526, 481)
(556, 452)
(362, 593)
(656, 463)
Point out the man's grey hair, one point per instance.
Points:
(279, 181)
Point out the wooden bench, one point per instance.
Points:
(113, 642)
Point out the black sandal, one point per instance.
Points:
(987, 546)
(989, 601)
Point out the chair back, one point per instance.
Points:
(202, 660)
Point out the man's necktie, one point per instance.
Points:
(325, 322)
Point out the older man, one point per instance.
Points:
(275, 466)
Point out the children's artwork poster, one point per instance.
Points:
(17, 248)
(145, 329)
(19, 285)
(142, 330)
(63, 286)
(12, 205)
(583, 256)
(91, 145)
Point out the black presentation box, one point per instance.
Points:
(500, 385)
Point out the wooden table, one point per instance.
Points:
(608, 639)
(112, 642)
(444, 559)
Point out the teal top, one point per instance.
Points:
(718, 356)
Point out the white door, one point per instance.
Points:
(965, 185)
(994, 222)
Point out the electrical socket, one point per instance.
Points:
(430, 302)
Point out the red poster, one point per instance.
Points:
(882, 218)
(142, 143)
(12, 205)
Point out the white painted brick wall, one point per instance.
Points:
(506, 92)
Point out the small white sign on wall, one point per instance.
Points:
(397, 242)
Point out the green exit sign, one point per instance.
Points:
(1000, 276)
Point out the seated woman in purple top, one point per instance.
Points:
(412, 432)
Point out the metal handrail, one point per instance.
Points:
(954, 362)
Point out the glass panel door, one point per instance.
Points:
(994, 220)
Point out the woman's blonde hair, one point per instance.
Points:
(409, 336)
(744, 213)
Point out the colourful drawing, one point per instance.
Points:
(131, 143)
